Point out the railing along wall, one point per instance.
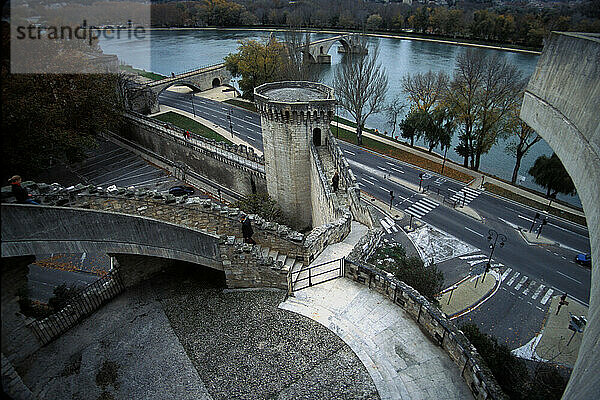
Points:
(83, 304)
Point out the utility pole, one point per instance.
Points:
(493, 236)
(420, 181)
(544, 222)
(537, 215)
(230, 124)
(192, 100)
(391, 198)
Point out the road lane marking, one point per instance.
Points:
(397, 170)
(471, 230)
(349, 152)
(568, 277)
(512, 279)
(546, 296)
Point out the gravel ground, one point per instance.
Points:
(244, 347)
(182, 336)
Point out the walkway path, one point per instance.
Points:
(401, 360)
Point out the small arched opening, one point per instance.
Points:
(216, 82)
(321, 50)
(317, 136)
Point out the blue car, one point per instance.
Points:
(584, 259)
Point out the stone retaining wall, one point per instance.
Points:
(233, 166)
(476, 374)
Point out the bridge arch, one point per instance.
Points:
(188, 84)
(561, 105)
(216, 82)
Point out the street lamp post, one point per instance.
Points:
(420, 180)
(192, 100)
(537, 215)
(544, 222)
(493, 236)
(230, 124)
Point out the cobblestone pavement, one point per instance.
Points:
(244, 347)
(180, 337)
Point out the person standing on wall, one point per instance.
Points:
(20, 192)
(335, 181)
(247, 230)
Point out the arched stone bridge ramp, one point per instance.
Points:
(199, 79)
(28, 230)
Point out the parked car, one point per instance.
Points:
(181, 190)
(584, 259)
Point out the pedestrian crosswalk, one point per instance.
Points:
(523, 285)
(527, 287)
(389, 225)
(465, 195)
(421, 207)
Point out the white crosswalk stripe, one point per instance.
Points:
(421, 207)
(521, 282)
(472, 256)
(466, 195)
(389, 225)
(505, 274)
(537, 292)
(547, 296)
(512, 279)
(526, 288)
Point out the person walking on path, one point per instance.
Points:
(20, 192)
(335, 181)
(247, 230)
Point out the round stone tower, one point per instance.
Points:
(294, 115)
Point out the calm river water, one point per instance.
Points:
(180, 50)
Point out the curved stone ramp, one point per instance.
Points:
(402, 361)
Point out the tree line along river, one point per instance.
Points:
(167, 51)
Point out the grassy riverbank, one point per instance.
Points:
(189, 124)
(241, 103)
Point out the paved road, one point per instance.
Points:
(541, 271)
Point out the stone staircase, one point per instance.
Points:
(281, 260)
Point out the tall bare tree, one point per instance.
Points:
(361, 85)
(426, 90)
(499, 96)
(393, 110)
(463, 98)
(520, 138)
(298, 67)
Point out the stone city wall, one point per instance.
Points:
(233, 166)
(360, 212)
(476, 374)
(332, 221)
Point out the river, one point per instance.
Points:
(176, 51)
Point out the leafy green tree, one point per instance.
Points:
(374, 22)
(427, 280)
(413, 125)
(262, 204)
(550, 173)
(257, 63)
